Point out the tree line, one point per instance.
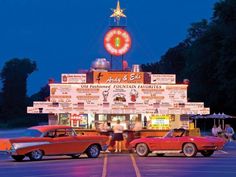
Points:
(13, 97)
(207, 58)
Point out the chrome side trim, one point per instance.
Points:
(166, 152)
(28, 144)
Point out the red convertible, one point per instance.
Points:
(46, 140)
(177, 141)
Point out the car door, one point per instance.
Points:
(171, 143)
(62, 142)
(77, 144)
(154, 143)
(167, 142)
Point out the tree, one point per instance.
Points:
(14, 76)
(200, 67)
(197, 30)
(207, 57)
(211, 61)
(151, 67)
(224, 11)
(44, 92)
(225, 19)
(173, 62)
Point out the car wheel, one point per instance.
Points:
(207, 153)
(142, 149)
(93, 151)
(75, 156)
(189, 150)
(36, 155)
(18, 158)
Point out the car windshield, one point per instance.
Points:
(175, 133)
(60, 132)
(169, 134)
(32, 133)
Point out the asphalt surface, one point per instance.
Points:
(221, 163)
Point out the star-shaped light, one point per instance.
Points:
(118, 12)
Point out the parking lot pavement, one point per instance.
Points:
(230, 146)
(59, 166)
(125, 164)
(122, 165)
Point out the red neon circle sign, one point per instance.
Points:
(117, 41)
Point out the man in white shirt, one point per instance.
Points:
(118, 136)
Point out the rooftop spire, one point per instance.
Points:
(118, 13)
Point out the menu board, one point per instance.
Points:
(160, 122)
(118, 95)
(64, 119)
(79, 120)
(73, 78)
(118, 99)
(163, 78)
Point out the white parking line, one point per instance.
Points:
(223, 152)
(137, 172)
(104, 170)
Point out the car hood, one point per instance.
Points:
(210, 139)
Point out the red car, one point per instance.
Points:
(177, 141)
(50, 140)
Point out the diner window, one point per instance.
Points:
(64, 119)
(102, 117)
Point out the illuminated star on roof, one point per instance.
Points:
(118, 12)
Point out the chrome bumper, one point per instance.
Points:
(11, 152)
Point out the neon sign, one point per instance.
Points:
(117, 41)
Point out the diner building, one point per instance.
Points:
(86, 100)
(104, 95)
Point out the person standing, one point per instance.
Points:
(220, 131)
(118, 136)
(104, 128)
(137, 128)
(138, 125)
(214, 130)
(229, 132)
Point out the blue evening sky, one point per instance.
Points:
(65, 36)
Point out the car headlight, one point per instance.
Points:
(12, 148)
